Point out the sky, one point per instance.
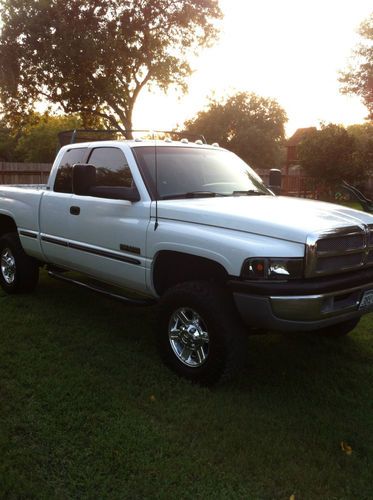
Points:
(289, 50)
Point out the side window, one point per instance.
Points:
(112, 169)
(63, 182)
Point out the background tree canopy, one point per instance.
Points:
(37, 140)
(95, 56)
(331, 155)
(358, 79)
(363, 148)
(250, 125)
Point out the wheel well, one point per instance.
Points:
(171, 268)
(7, 225)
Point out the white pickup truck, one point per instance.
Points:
(193, 227)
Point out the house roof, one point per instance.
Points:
(299, 135)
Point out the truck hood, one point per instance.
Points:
(274, 216)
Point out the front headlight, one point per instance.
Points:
(265, 268)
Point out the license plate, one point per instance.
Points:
(367, 300)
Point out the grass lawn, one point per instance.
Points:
(87, 410)
(351, 204)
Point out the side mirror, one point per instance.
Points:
(275, 180)
(84, 184)
(84, 178)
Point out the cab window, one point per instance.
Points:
(112, 169)
(63, 182)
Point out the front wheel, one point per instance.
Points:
(200, 335)
(19, 273)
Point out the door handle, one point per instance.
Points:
(75, 210)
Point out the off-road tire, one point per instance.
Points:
(338, 330)
(227, 335)
(19, 273)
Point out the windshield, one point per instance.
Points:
(185, 172)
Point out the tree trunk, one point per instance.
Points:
(127, 122)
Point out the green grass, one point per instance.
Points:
(88, 411)
(351, 204)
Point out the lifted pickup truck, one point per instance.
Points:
(193, 227)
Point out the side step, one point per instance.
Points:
(97, 289)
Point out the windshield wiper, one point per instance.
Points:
(200, 194)
(192, 194)
(249, 192)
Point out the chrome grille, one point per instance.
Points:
(339, 262)
(341, 244)
(339, 250)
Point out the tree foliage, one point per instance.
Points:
(363, 150)
(328, 155)
(358, 78)
(95, 56)
(250, 125)
(37, 141)
(7, 143)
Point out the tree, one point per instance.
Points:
(7, 143)
(95, 56)
(363, 154)
(39, 141)
(250, 125)
(358, 79)
(327, 155)
(12, 129)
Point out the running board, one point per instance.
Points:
(122, 298)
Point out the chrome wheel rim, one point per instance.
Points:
(8, 266)
(188, 337)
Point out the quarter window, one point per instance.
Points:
(63, 182)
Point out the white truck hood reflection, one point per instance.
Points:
(278, 217)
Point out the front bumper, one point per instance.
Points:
(285, 309)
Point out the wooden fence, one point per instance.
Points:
(24, 173)
(300, 186)
(294, 185)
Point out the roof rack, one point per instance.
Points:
(91, 135)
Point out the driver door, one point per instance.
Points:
(107, 236)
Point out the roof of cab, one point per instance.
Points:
(133, 143)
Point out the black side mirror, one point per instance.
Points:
(85, 184)
(275, 180)
(84, 178)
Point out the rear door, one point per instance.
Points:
(55, 210)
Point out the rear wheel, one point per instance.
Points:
(19, 273)
(338, 330)
(200, 335)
